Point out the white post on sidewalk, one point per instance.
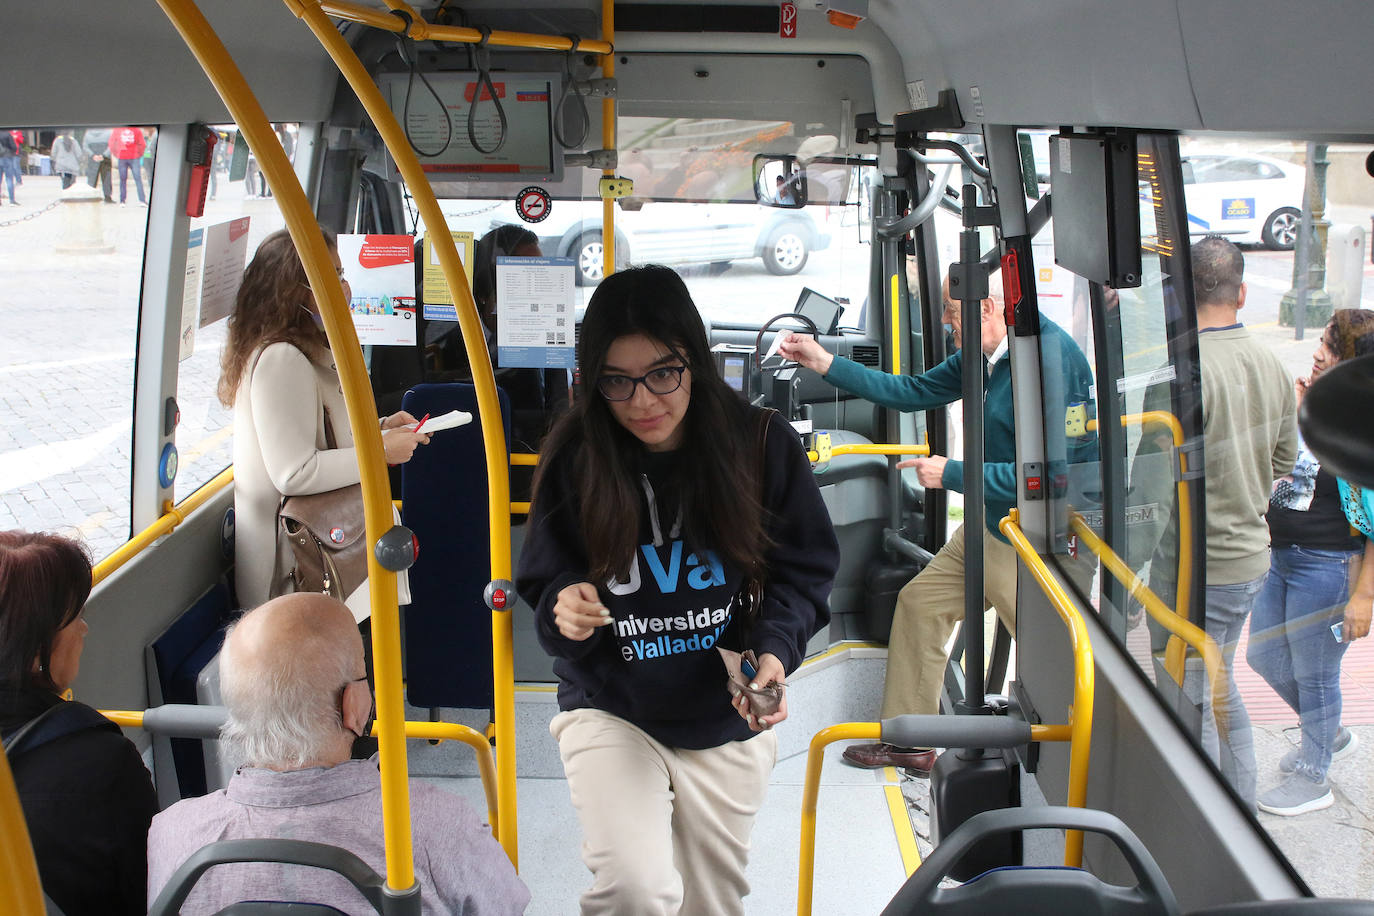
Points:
(83, 227)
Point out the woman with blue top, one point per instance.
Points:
(662, 499)
(1315, 601)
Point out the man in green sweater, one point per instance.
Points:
(1249, 439)
(932, 604)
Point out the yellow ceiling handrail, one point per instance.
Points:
(420, 30)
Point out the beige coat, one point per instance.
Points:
(279, 450)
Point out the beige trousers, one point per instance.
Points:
(928, 609)
(664, 830)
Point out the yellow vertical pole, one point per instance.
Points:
(608, 140)
(896, 328)
(210, 52)
(489, 413)
(18, 868)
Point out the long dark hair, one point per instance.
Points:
(44, 583)
(269, 308)
(505, 239)
(717, 488)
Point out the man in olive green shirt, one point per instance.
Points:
(1250, 439)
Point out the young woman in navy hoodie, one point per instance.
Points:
(649, 521)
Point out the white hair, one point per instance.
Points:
(286, 713)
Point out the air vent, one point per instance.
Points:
(663, 17)
(867, 355)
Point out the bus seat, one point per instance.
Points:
(1054, 890)
(447, 624)
(175, 660)
(289, 852)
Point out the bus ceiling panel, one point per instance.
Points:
(1050, 62)
(1313, 80)
(807, 90)
(124, 63)
(816, 41)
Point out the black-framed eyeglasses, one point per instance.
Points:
(663, 380)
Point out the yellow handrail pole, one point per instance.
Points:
(896, 330)
(862, 448)
(164, 525)
(1081, 716)
(1185, 508)
(608, 139)
(488, 409)
(1183, 629)
(18, 867)
(523, 459)
(424, 31)
(305, 232)
(811, 790)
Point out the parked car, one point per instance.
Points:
(1246, 198)
(660, 232)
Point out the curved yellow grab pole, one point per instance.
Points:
(1183, 630)
(488, 409)
(362, 415)
(1185, 508)
(608, 139)
(1081, 716)
(811, 790)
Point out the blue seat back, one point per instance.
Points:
(444, 489)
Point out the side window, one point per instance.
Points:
(205, 436)
(72, 261)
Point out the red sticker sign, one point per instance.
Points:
(787, 19)
(386, 250)
(533, 204)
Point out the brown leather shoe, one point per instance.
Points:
(872, 756)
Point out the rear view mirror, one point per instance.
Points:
(779, 181)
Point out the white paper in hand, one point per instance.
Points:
(777, 342)
(446, 421)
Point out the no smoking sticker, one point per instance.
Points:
(533, 204)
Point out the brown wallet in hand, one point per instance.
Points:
(763, 701)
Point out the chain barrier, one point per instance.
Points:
(28, 216)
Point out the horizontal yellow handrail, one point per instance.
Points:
(170, 519)
(420, 30)
(433, 731)
(519, 508)
(1081, 715)
(1185, 507)
(523, 459)
(1181, 628)
(863, 448)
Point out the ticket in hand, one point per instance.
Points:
(445, 421)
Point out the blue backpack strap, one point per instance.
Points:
(53, 723)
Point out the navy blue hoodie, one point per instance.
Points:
(656, 665)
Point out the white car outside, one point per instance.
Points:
(1254, 199)
(658, 232)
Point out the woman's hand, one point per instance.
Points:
(804, 349)
(1358, 611)
(400, 418)
(579, 611)
(770, 671)
(400, 443)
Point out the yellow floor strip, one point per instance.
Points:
(901, 821)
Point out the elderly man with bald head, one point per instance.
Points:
(294, 682)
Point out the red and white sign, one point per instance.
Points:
(787, 20)
(533, 204)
